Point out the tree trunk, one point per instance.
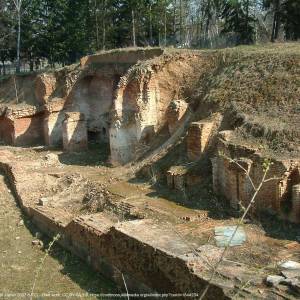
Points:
(104, 26)
(150, 26)
(3, 68)
(208, 17)
(174, 21)
(97, 25)
(180, 22)
(165, 24)
(133, 29)
(18, 67)
(276, 21)
(247, 22)
(159, 37)
(31, 65)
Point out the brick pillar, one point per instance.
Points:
(175, 113)
(198, 139)
(75, 132)
(170, 180)
(215, 174)
(176, 179)
(295, 213)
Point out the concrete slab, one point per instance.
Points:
(156, 235)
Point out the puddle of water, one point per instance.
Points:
(62, 273)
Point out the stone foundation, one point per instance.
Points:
(179, 178)
(150, 253)
(151, 257)
(176, 180)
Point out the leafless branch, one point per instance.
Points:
(245, 171)
(55, 239)
(240, 222)
(271, 179)
(125, 286)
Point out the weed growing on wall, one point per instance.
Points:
(39, 268)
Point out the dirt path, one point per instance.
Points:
(62, 273)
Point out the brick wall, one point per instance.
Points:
(230, 180)
(202, 136)
(29, 130)
(7, 132)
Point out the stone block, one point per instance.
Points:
(43, 201)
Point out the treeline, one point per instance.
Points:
(61, 31)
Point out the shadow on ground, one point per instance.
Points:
(96, 155)
(279, 229)
(202, 198)
(198, 198)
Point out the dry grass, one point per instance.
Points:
(261, 84)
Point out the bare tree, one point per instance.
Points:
(165, 23)
(104, 25)
(276, 20)
(97, 24)
(133, 29)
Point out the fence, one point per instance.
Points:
(10, 68)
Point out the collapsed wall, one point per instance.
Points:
(237, 170)
(134, 105)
